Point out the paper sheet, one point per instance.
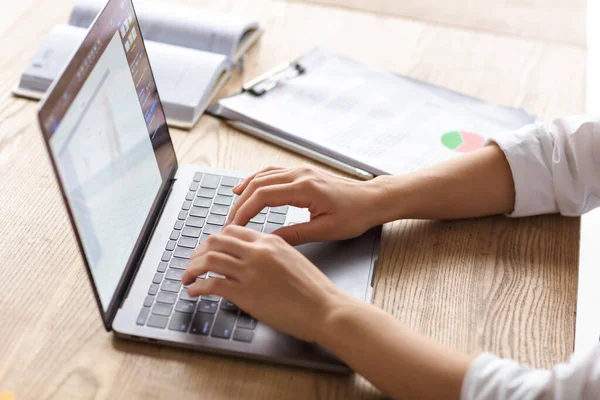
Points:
(381, 122)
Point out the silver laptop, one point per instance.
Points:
(138, 215)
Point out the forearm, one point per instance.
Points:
(395, 359)
(473, 185)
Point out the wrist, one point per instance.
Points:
(389, 200)
(338, 307)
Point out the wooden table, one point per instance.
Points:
(496, 284)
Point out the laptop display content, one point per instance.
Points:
(108, 139)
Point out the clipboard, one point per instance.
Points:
(362, 120)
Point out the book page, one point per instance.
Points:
(373, 119)
(185, 78)
(178, 25)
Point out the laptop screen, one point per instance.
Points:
(107, 136)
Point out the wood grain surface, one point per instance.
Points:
(508, 286)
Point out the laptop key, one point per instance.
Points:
(212, 229)
(180, 322)
(264, 210)
(243, 335)
(142, 316)
(195, 222)
(187, 307)
(214, 219)
(153, 289)
(158, 321)
(179, 263)
(270, 228)
(198, 176)
(174, 274)
(189, 242)
(199, 212)
(148, 301)
(162, 267)
(166, 256)
(157, 278)
(184, 295)
(254, 227)
(183, 252)
(178, 225)
(246, 321)
(166, 297)
(174, 235)
(202, 202)
(186, 205)
(223, 326)
(162, 309)
(171, 245)
(209, 307)
(225, 191)
(203, 238)
(223, 200)
(207, 193)
(190, 196)
(229, 181)
(182, 215)
(211, 297)
(276, 218)
(280, 209)
(201, 324)
(210, 181)
(259, 219)
(190, 231)
(169, 285)
(227, 305)
(219, 210)
(194, 186)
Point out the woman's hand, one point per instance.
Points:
(267, 278)
(340, 208)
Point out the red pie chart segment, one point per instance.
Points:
(471, 142)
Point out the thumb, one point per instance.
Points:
(316, 230)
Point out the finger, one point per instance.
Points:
(272, 196)
(220, 287)
(274, 178)
(317, 230)
(213, 261)
(241, 233)
(239, 188)
(226, 244)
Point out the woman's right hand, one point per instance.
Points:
(340, 208)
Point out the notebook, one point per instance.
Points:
(191, 51)
(344, 113)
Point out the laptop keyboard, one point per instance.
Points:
(168, 305)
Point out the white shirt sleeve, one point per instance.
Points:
(492, 378)
(555, 167)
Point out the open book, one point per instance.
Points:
(192, 52)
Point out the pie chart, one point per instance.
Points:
(462, 142)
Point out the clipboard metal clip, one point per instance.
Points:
(269, 80)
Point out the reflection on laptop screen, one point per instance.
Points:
(103, 149)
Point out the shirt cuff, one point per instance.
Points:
(525, 151)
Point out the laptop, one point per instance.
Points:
(138, 215)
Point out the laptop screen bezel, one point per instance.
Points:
(168, 166)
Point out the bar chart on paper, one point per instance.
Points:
(462, 142)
